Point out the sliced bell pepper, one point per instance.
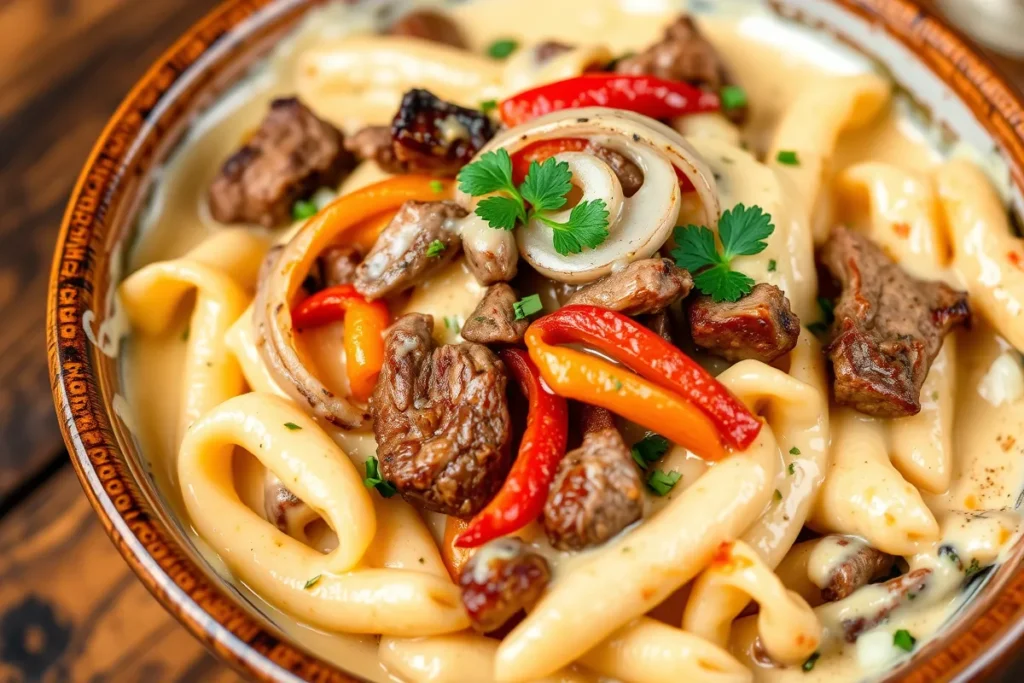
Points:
(672, 395)
(654, 97)
(522, 496)
(363, 338)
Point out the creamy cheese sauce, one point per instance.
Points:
(976, 513)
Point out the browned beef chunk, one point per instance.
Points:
(440, 417)
(401, 257)
(760, 325)
(338, 265)
(889, 327)
(373, 143)
(493, 321)
(629, 174)
(291, 154)
(549, 49)
(644, 286)
(432, 136)
(283, 508)
(660, 324)
(859, 569)
(500, 580)
(429, 25)
(900, 590)
(596, 493)
(683, 54)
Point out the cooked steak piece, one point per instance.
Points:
(760, 325)
(283, 509)
(500, 580)
(900, 591)
(683, 54)
(432, 136)
(859, 569)
(645, 286)
(401, 257)
(493, 321)
(659, 323)
(440, 417)
(373, 143)
(291, 155)
(596, 493)
(549, 49)
(338, 265)
(888, 329)
(628, 173)
(429, 25)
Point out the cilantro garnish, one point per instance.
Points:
(903, 640)
(435, 248)
(303, 209)
(733, 97)
(291, 426)
(543, 190)
(500, 49)
(374, 480)
(648, 449)
(787, 157)
(811, 661)
(743, 232)
(527, 306)
(312, 582)
(662, 482)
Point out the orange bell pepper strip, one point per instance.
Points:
(354, 211)
(363, 338)
(366, 233)
(672, 395)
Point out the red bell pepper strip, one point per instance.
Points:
(654, 97)
(363, 338)
(522, 496)
(652, 358)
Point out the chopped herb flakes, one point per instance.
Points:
(487, 106)
(373, 479)
(662, 482)
(777, 496)
(185, 333)
(527, 306)
(291, 426)
(772, 265)
(435, 248)
(617, 383)
(811, 661)
(452, 323)
(903, 640)
(792, 468)
(303, 209)
(733, 97)
(787, 157)
(312, 582)
(794, 451)
(436, 186)
(973, 568)
(500, 49)
(649, 449)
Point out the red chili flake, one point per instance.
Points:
(1016, 259)
(901, 229)
(723, 554)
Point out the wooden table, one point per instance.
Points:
(69, 607)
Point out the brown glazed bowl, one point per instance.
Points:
(958, 89)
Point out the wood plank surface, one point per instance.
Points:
(70, 609)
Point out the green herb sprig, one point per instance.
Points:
(527, 306)
(649, 449)
(662, 482)
(374, 480)
(544, 190)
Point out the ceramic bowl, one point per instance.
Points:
(949, 81)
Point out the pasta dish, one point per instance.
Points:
(581, 341)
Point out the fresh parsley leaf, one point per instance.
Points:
(527, 306)
(312, 582)
(373, 479)
(903, 640)
(436, 186)
(303, 209)
(695, 248)
(811, 661)
(771, 265)
(792, 468)
(587, 227)
(787, 157)
(733, 97)
(662, 482)
(291, 426)
(490, 173)
(500, 49)
(649, 449)
(723, 284)
(973, 568)
(546, 185)
(435, 248)
(500, 212)
(743, 231)
(487, 106)
(794, 451)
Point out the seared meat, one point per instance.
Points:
(628, 173)
(399, 257)
(858, 570)
(760, 325)
(644, 286)
(338, 265)
(660, 324)
(432, 136)
(283, 508)
(440, 417)
(595, 418)
(291, 154)
(888, 329)
(492, 255)
(683, 54)
(429, 25)
(548, 50)
(493, 321)
(901, 589)
(501, 579)
(374, 143)
(596, 492)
